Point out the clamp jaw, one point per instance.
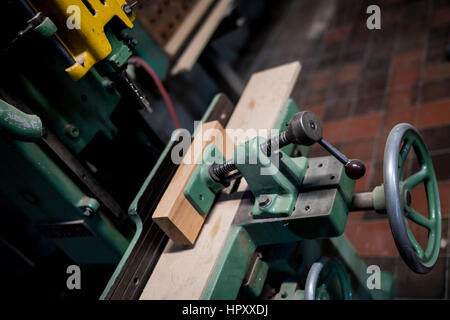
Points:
(274, 180)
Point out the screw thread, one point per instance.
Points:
(282, 141)
(220, 170)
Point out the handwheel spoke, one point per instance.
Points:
(416, 217)
(416, 246)
(403, 219)
(403, 155)
(416, 178)
(329, 277)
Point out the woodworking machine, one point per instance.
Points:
(299, 198)
(83, 170)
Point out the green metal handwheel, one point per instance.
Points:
(397, 192)
(327, 280)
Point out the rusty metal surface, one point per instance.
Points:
(161, 18)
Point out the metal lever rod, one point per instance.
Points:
(354, 168)
(335, 152)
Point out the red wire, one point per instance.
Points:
(161, 89)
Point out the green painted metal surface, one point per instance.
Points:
(327, 288)
(229, 272)
(233, 263)
(32, 181)
(201, 190)
(64, 104)
(293, 229)
(231, 267)
(426, 175)
(264, 178)
(283, 258)
(260, 172)
(288, 291)
(138, 223)
(255, 283)
(133, 212)
(19, 125)
(120, 53)
(148, 49)
(46, 28)
(358, 269)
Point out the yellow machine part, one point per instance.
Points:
(87, 44)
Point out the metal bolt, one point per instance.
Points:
(88, 212)
(72, 131)
(128, 8)
(108, 85)
(264, 200)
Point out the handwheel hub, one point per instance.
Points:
(407, 198)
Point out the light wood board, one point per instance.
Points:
(199, 42)
(184, 273)
(188, 25)
(174, 214)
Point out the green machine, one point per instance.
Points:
(77, 148)
(295, 203)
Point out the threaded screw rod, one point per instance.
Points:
(219, 171)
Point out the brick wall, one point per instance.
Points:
(361, 83)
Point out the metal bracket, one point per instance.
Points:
(256, 277)
(201, 190)
(275, 187)
(321, 207)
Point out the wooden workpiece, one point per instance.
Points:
(202, 37)
(183, 273)
(188, 25)
(174, 214)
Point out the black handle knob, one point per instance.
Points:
(355, 169)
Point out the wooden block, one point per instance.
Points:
(184, 274)
(174, 214)
(202, 37)
(188, 25)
